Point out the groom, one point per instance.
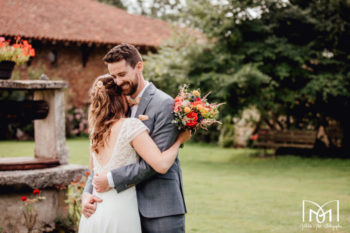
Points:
(160, 197)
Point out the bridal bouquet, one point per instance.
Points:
(193, 112)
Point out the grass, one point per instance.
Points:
(233, 190)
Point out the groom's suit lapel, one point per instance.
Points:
(145, 99)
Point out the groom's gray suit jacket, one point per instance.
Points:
(158, 195)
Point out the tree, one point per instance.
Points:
(169, 10)
(288, 59)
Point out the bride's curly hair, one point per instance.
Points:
(106, 107)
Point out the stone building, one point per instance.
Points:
(71, 37)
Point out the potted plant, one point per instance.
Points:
(12, 54)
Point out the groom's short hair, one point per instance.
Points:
(127, 52)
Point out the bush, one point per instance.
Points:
(77, 122)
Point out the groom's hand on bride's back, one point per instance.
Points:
(100, 182)
(89, 204)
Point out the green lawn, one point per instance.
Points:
(232, 190)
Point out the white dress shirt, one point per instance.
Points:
(133, 113)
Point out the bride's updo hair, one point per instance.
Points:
(106, 107)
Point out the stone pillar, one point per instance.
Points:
(49, 133)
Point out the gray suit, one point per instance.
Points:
(160, 197)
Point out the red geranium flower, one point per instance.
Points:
(32, 52)
(87, 173)
(36, 191)
(193, 116)
(23, 198)
(254, 137)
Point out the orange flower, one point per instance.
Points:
(87, 173)
(196, 103)
(187, 110)
(25, 52)
(32, 52)
(25, 42)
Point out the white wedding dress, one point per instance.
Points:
(118, 212)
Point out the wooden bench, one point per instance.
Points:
(273, 139)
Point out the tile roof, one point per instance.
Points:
(79, 21)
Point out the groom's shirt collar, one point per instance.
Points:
(143, 90)
(134, 108)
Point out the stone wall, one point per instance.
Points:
(68, 66)
(15, 184)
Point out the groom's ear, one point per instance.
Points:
(139, 66)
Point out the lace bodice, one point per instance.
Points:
(123, 153)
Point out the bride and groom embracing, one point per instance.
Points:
(136, 181)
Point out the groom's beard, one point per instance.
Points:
(129, 88)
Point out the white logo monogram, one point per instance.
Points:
(320, 214)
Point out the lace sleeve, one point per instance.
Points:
(134, 128)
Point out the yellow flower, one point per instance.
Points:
(204, 111)
(196, 93)
(187, 109)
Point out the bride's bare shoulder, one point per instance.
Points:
(116, 125)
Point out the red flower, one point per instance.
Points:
(23, 198)
(178, 99)
(198, 99)
(197, 102)
(193, 116)
(87, 173)
(254, 137)
(36, 191)
(32, 52)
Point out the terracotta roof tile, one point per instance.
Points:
(79, 20)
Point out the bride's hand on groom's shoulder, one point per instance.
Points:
(100, 182)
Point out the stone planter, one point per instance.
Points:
(6, 68)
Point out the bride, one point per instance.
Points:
(115, 142)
